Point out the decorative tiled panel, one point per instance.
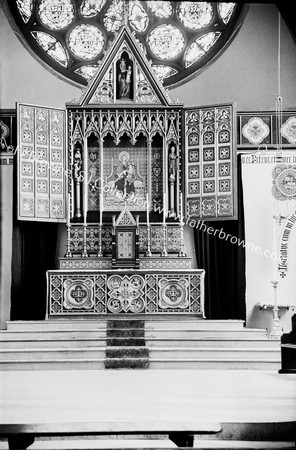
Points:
(41, 163)
(73, 293)
(260, 129)
(85, 263)
(7, 136)
(173, 237)
(165, 263)
(210, 163)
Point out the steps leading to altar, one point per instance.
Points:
(171, 343)
(125, 345)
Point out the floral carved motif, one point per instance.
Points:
(255, 130)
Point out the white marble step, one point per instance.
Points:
(52, 334)
(189, 333)
(210, 342)
(20, 341)
(175, 322)
(217, 364)
(179, 364)
(165, 333)
(55, 325)
(53, 364)
(214, 353)
(52, 353)
(53, 342)
(197, 324)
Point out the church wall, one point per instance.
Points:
(6, 201)
(246, 73)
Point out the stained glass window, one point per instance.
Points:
(199, 47)
(166, 41)
(25, 9)
(195, 15)
(179, 38)
(160, 9)
(86, 41)
(87, 71)
(164, 71)
(90, 8)
(138, 16)
(51, 46)
(56, 14)
(225, 11)
(114, 16)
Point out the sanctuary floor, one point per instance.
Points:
(138, 396)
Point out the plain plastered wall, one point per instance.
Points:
(245, 73)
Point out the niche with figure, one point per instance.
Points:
(124, 77)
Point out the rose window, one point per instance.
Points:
(179, 38)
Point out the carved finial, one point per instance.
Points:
(125, 13)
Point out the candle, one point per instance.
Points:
(164, 207)
(69, 211)
(181, 207)
(101, 209)
(147, 200)
(85, 200)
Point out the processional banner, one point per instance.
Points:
(41, 163)
(210, 161)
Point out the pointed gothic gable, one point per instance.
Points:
(125, 77)
(125, 218)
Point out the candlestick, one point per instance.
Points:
(276, 331)
(100, 251)
(84, 253)
(69, 253)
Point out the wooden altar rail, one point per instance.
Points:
(21, 435)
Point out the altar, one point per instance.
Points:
(122, 168)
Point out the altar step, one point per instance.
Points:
(125, 345)
(166, 344)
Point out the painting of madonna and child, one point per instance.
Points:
(125, 176)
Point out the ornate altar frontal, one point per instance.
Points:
(123, 167)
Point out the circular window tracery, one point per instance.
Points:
(86, 41)
(179, 38)
(166, 41)
(195, 15)
(56, 14)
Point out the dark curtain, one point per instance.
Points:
(224, 264)
(34, 252)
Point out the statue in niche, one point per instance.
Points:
(172, 163)
(172, 178)
(124, 77)
(78, 178)
(77, 164)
